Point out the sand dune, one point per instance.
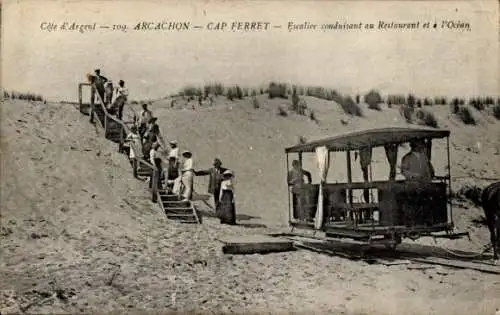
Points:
(79, 234)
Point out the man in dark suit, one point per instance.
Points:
(215, 174)
(295, 182)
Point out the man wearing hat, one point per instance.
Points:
(187, 176)
(153, 130)
(215, 179)
(99, 82)
(151, 135)
(174, 150)
(155, 159)
(134, 146)
(172, 173)
(121, 98)
(144, 118)
(108, 95)
(415, 165)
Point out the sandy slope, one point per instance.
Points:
(78, 233)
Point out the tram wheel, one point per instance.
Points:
(393, 240)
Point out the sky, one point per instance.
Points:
(427, 62)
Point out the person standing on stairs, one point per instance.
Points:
(144, 118)
(152, 131)
(172, 173)
(108, 95)
(215, 179)
(155, 159)
(187, 176)
(135, 145)
(121, 98)
(174, 150)
(99, 82)
(150, 136)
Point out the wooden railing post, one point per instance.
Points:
(80, 97)
(154, 185)
(105, 125)
(134, 166)
(120, 145)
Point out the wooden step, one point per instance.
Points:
(192, 221)
(167, 197)
(183, 216)
(176, 204)
(169, 211)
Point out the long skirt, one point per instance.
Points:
(142, 130)
(146, 148)
(187, 181)
(226, 210)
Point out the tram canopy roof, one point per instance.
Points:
(370, 138)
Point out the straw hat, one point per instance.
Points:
(173, 142)
(228, 173)
(187, 153)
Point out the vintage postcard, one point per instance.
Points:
(248, 157)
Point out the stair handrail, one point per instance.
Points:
(154, 186)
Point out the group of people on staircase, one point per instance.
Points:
(145, 142)
(105, 89)
(178, 177)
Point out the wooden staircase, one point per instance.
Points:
(116, 131)
(176, 209)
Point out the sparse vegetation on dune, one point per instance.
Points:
(469, 192)
(426, 118)
(324, 93)
(190, 91)
(234, 92)
(277, 90)
(216, 89)
(373, 99)
(496, 111)
(396, 100)
(27, 96)
(407, 112)
(464, 114)
(350, 107)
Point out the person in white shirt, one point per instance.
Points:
(174, 150)
(415, 165)
(155, 159)
(134, 141)
(121, 98)
(187, 176)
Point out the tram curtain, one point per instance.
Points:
(391, 152)
(365, 157)
(428, 149)
(323, 158)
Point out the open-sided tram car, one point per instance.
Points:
(402, 208)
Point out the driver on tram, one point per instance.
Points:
(295, 181)
(415, 165)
